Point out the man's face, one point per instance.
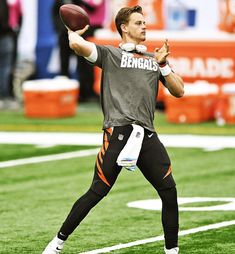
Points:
(136, 28)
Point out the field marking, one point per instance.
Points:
(45, 139)
(53, 157)
(156, 204)
(161, 237)
(209, 143)
(51, 138)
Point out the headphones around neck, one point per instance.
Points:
(128, 47)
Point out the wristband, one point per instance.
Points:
(163, 64)
(166, 70)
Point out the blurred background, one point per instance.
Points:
(201, 37)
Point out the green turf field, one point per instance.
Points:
(35, 198)
(89, 119)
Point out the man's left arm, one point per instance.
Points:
(174, 82)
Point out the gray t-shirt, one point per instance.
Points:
(129, 87)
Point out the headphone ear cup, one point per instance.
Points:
(141, 48)
(127, 46)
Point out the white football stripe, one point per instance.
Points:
(53, 157)
(160, 238)
(156, 204)
(62, 138)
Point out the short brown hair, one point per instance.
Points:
(124, 14)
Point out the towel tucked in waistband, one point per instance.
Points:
(129, 155)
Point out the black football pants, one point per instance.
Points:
(154, 164)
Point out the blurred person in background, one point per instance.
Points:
(96, 10)
(129, 86)
(10, 21)
(227, 15)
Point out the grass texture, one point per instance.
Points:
(35, 200)
(89, 119)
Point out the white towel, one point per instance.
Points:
(129, 155)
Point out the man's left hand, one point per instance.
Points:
(161, 54)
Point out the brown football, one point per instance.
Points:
(73, 16)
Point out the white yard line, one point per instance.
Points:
(45, 139)
(160, 238)
(62, 138)
(51, 138)
(39, 159)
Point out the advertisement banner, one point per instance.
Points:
(213, 61)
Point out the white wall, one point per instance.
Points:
(207, 12)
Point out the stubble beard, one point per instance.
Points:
(139, 39)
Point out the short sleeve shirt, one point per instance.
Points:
(129, 86)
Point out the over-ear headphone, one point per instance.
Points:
(131, 46)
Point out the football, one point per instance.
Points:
(73, 16)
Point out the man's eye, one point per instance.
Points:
(140, 23)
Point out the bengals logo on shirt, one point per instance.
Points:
(137, 61)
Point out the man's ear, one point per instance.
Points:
(124, 28)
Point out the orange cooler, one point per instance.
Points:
(50, 98)
(197, 104)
